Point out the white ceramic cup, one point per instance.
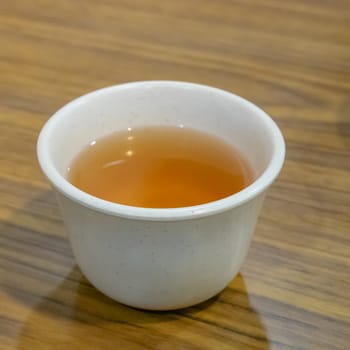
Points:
(160, 259)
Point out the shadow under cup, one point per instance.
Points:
(160, 258)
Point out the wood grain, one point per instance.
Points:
(290, 57)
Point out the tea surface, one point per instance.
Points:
(160, 167)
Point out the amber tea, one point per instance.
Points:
(160, 167)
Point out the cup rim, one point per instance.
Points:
(61, 184)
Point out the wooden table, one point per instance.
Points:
(290, 57)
